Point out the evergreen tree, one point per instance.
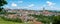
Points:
(2, 3)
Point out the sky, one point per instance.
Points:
(33, 4)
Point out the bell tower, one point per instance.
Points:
(43, 9)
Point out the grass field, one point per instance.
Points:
(9, 22)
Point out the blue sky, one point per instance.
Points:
(33, 4)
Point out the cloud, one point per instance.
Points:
(6, 6)
(44, 5)
(13, 4)
(20, 1)
(31, 5)
(50, 3)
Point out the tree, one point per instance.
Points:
(41, 18)
(56, 20)
(2, 3)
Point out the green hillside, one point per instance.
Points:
(9, 22)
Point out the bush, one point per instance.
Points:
(12, 19)
(56, 20)
(41, 18)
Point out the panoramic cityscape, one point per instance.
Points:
(29, 12)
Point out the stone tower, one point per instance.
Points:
(43, 9)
